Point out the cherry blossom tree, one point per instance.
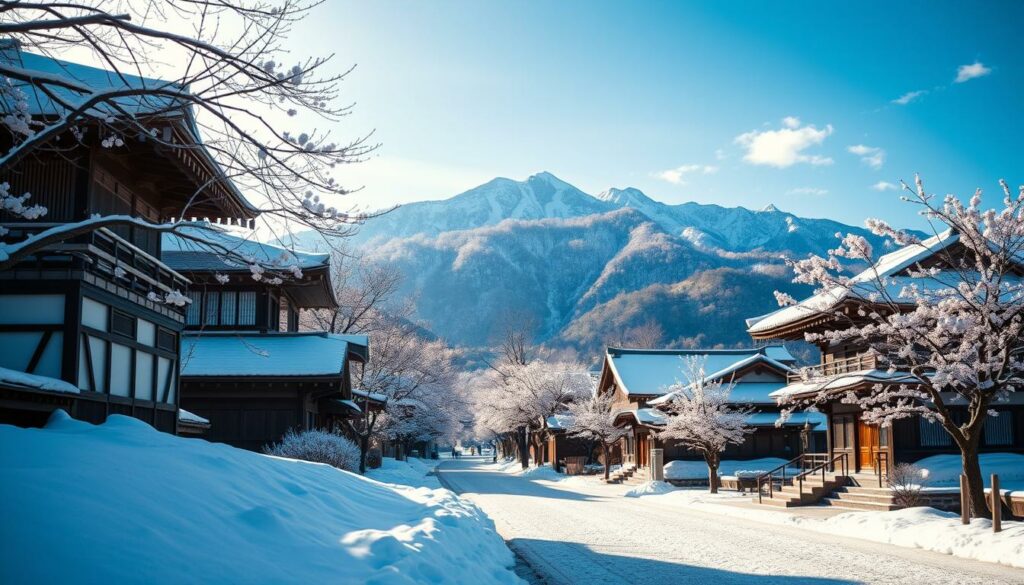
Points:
(950, 323)
(266, 112)
(592, 418)
(517, 400)
(701, 417)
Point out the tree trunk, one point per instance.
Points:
(538, 447)
(712, 473)
(524, 448)
(975, 483)
(607, 461)
(364, 448)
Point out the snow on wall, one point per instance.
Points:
(121, 502)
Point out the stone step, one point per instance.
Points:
(781, 502)
(867, 498)
(857, 505)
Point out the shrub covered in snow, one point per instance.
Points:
(906, 481)
(318, 447)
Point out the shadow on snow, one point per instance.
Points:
(562, 562)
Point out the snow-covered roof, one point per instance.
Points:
(887, 266)
(352, 405)
(647, 416)
(243, 354)
(842, 382)
(654, 371)
(15, 378)
(369, 395)
(191, 418)
(92, 79)
(559, 422)
(74, 83)
(184, 254)
(797, 419)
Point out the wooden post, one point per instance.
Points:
(965, 501)
(997, 505)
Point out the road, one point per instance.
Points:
(589, 534)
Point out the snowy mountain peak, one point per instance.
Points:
(549, 178)
(769, 208)
(628, 197)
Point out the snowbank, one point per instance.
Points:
(650, 488)
(685, 470)
(121, 502)
(945, 470)
(411, 472)
(924, 528)
(931, 529)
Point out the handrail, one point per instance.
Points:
(816, 461)
(769, 475)
(842, 457)
(879, 455)
(864, 361)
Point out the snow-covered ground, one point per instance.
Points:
(924, 528)
(411, 472)
(123, 503)
(587, 532)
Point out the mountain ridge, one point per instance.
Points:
(582, 268)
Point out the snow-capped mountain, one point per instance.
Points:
(584, 268)
(545, 196)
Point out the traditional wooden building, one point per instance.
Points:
(246, 367)
(89, 323)
(851, 368)
(641, 381)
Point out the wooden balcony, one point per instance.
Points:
(834, 368)
(101, 253)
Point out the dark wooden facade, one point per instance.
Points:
(634, 410)
(81, 310)
(255, 410)
(870, 448)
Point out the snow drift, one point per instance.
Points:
(121, 502)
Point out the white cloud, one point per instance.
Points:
(909, 97)
(720, 154)
(885, 186)
(807, 191)
(872, 156)
(784, 147)
(969, 72)
(677, 176)
(791, 122)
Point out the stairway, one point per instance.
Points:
(813, 491)
(862, 493)
(622, 474)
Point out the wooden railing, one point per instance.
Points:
(808, 463)
(881, 456)
(844, 466)
(835, 368)
(104, 251)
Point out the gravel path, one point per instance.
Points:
(591, 535)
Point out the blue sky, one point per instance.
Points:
(743, 103)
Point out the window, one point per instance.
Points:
(842, 431)
(999, 429)
(122, 323)
(932, 434)
(228, 300)
(166, 340)
(212, 308)
(247, 308)
(192, 317)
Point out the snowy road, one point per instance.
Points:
(591, 535)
